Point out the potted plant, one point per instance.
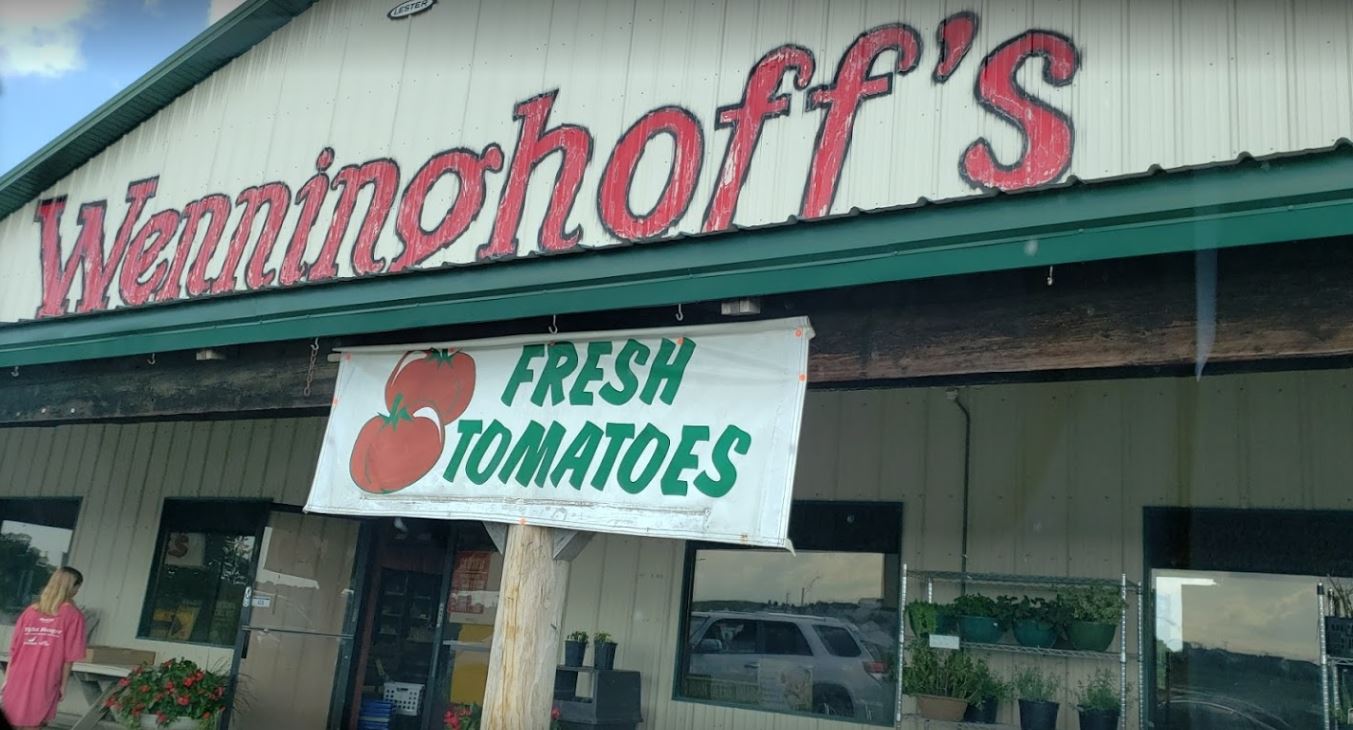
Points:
(1098, 702)
(943, 683)
(470, 717)
(1094, 613)
(923, 618)
(1035, 622)
(1037, 693)
(978, 618)
(603, 651)
(575, 649)
(175, 694)
(989, 693)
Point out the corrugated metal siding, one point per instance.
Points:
(123, 473)
(1060, 472)
(1162, 82)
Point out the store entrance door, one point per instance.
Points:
(427, 623)
(296, 633)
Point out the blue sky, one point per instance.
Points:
(60, 59)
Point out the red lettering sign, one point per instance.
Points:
(140, 261)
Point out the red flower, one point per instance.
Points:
(161, 717)
(169, 685)
(183, 700)
(453, 723)
(554, 713)
(138, 708)
(145, 689)
(123, 682)
(206, 715)
(188, 682)
(112, 702)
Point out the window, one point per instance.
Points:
(35, 537)
(203, 560)
(791, 633)
(838, 640)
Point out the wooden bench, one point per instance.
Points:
(97, 683)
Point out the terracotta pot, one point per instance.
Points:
(941, 708)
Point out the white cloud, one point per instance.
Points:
(219, 9)
(41, 38)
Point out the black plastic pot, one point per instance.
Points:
(603, 656)
(1038, 715)
(1099, 719)
(574, 651)
(979, 629)
(1039, 634)
(1086, 636)
(983, 712)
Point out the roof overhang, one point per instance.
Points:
(1246, 203)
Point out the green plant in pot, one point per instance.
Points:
(603, 651)
(175, 694)
(923, 618)
(978, 618)
(575, 649)
(1037, 692)
(990, 692)
(1094, 613)
(1098, 702)
(943, 682)
(1037, 622)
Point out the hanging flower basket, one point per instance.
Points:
(469, 717)
(176, 695)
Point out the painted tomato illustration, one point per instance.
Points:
(394, 451)
(440, 379)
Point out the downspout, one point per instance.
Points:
(952, 394)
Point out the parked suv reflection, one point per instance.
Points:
(787, 661)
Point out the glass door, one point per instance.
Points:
(296, 632)
(468, 619)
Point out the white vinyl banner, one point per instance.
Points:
(689, 432)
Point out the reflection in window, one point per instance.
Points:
(812, 633)
(1236, 650)
(35, 537)
(202, 569)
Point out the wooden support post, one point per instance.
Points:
(520, 691)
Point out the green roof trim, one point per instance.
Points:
(223, 41)
(1251, 202)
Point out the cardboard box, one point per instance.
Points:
(118, 656)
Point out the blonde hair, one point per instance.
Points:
(60, 588)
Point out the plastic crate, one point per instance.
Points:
(376, 715)
(404, 696)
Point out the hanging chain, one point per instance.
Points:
(310, 371)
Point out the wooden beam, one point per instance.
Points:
(1272, 303)
(520, 690)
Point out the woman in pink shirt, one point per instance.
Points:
(48, 638)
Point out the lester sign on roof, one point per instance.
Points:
(350, 144)
(685, 433)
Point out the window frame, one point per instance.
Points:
(810, 513)
(74, 504)
(250, 512)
